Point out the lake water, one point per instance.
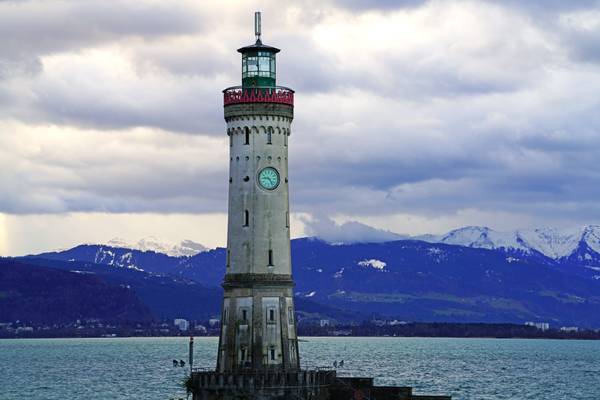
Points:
(141, 368)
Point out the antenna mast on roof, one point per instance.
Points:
(257, 26)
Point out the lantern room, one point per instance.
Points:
(258, 61)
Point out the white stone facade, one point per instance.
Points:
(258, 324)
(258, 218)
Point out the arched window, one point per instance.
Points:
(247, 133)
(270, 135)
(246, 217)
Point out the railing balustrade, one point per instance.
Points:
(260, 94)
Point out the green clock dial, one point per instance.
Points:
(268, 178)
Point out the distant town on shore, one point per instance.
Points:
(94, 328)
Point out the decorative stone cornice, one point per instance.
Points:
(259, 109)
(249, 280)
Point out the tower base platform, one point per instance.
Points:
(320, 384)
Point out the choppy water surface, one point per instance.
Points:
(141, 368)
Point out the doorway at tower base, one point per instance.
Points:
(320, 384)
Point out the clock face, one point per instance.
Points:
(268, 178)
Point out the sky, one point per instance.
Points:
(411, 116)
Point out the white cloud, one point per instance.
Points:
(346, 232)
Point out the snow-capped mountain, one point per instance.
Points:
(185, 248)
(551, 242)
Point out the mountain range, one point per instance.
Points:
(472, 274)
(551, 242)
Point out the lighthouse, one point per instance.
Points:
(258, 330)
(258, 355)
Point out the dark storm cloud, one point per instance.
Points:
(183, 109)
(37, 28)
(144, 170)
(584, 45)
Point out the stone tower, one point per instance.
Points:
(258, 347)
(258, 330)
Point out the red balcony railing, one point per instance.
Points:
(276, 94)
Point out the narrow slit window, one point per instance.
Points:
(272, 353)
(290, 315)
(243, 355)
(284, 138)
(287, 219)
(270, 258)
(228, 256)
(247, 133)
(246, 217)
(231, 140)
(270, 136)
(271, 314)
(244, 315)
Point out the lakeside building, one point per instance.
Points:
(258, 355)
(569, 329)
(542, 326)
(182, 324)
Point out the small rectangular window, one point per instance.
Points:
(271, 314)
(244, 315)
(264, 63)
(270, 258)
(252, 64)
(246, 218)
(272, 353)
(243, 355)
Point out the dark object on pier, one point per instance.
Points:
(181, 363)
(175, 363)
